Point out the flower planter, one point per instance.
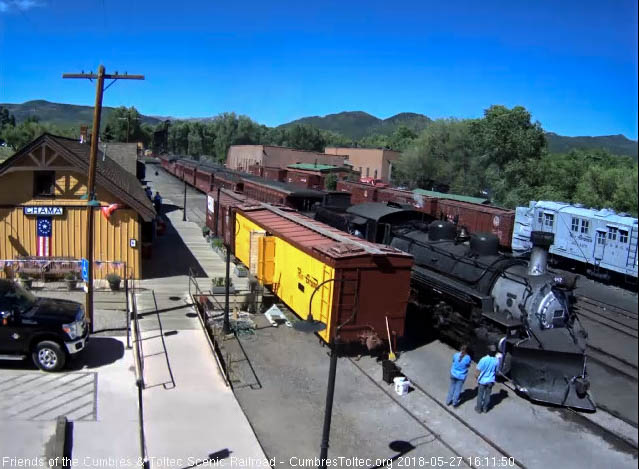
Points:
(71, 284)
(222, 290)
(240, 271)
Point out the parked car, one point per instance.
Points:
(47, 329)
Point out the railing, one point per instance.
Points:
(48, 270)
(138, 358)
(201, 302)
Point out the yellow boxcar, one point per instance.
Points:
(348, 279)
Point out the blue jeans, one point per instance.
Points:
(454, 391)
(483, 397)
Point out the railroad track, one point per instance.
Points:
(617, 319)
(464, 458)
(612, 362)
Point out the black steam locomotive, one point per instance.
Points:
(473, 294)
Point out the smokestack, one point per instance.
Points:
(541, 242)
(83, 133)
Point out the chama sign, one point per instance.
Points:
(43, 210)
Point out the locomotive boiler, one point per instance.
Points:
(475, 295)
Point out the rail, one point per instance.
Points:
(138, 358)
(197, 298)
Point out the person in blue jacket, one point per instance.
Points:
(458, 372)
(487, 369)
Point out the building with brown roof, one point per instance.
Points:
(124, 154)
(43, 208)
(373, 163)
(242, 157)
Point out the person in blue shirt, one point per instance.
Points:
(487, 369)
(458, 372)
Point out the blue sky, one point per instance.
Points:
(573, 65)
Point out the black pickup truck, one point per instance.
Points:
(48, 329)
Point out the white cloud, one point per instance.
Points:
(18, 5)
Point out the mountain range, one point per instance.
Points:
(351, 124)
(62, 114)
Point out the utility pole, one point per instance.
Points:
(184, 211)
(128, 124)
(91, 201)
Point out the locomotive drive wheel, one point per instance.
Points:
(49, 356)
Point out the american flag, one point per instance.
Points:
(44, 228)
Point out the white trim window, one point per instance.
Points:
(612, 233)
(575, 224)
(623, 236)
(601, 237)
(549, 220)
(585, 226)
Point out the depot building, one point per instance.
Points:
(44, 209)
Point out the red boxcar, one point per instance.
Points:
(481, 219)
(204, 178)
(225, 220)
(275, 174)
(188, 174)
(229, 180)
(360, 193)
(305, 179)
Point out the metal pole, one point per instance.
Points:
(217, 212)
(95, 136)
(328, 410)
(226, 328)
(184, 212)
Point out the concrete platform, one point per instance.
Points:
(190, 416)
(539, 436)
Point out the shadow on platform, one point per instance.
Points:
(170, 257)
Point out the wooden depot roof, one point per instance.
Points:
(109, 174)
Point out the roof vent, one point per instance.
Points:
(579, 205)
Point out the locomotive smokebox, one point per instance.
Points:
(541, 242)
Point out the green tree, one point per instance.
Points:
(330, 182)
(305, 137)
(504, 135)
(124, 125)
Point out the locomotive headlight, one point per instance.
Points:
(552, 311)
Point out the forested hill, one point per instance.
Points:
(359, 124)
(353, 125)
(61, 114)
(615, 144)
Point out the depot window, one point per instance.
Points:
(43, 183)
(612, 233)
(575, 224)
(585, 226)
(623, 236)
(601, 237)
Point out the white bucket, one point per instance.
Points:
(401, 385)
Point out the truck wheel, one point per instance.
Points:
(49, 356)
